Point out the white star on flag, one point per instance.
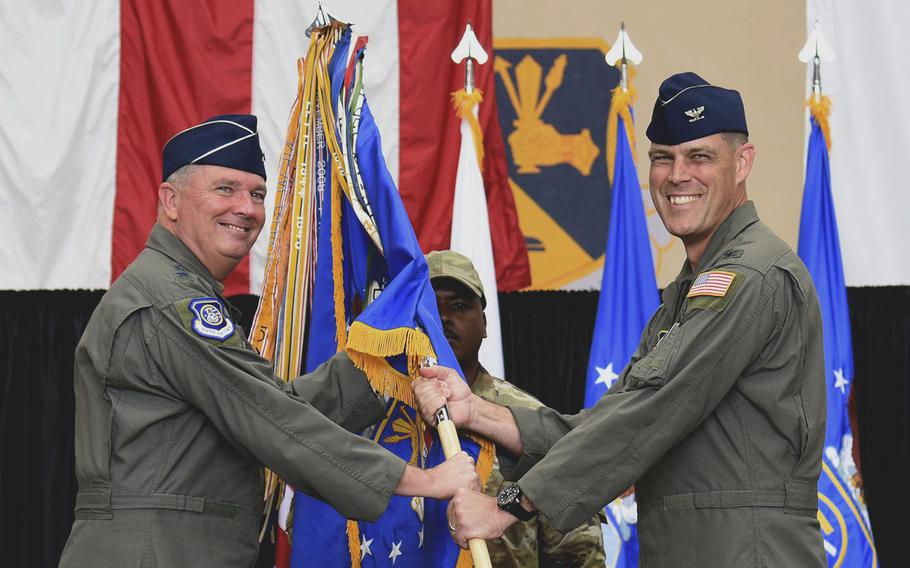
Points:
(605, 376)
(396, 552)
(840, 382)
(365, 547)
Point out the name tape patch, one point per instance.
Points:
(209, 320)
(713, 283)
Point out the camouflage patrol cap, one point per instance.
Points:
(454, 265)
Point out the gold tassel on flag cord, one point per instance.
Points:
(620, 106)
(820, 108)
(464, 103)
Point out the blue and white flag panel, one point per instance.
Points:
(843, 518)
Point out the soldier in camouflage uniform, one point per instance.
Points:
(719, 418)
(174, 411)
(461, 301)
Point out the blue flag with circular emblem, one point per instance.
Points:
(842, 514)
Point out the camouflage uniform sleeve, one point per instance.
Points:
(581, 547)
(663, 397)
(236, 390)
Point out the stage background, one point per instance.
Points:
(546, 336)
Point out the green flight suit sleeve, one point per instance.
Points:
(660, 399)
(341, 392)
(236, 390)
(540, 430)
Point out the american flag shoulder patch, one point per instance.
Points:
(712, 283)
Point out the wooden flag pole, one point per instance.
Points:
(448, 436)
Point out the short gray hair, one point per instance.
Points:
(181, 175)
(734, 139)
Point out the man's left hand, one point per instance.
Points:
(475, 515)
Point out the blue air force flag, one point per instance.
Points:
(844, 521)
(628, 298)
(628, 293)
(372, 291)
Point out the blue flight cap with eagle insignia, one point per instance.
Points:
(688, 107)
(228, 140)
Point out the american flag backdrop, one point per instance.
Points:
(92, 90)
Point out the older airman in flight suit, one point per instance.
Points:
(175, 414)
(719, 418)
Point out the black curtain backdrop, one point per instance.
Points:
(546, 339)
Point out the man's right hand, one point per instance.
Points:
(441, 386)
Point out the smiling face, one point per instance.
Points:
(217, 212)
(697, 184)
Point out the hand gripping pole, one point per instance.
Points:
(448, 436)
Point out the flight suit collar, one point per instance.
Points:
(733, 225)
(736, 223)
(169, 245)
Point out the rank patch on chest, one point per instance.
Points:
(209, 320)
(713, 283)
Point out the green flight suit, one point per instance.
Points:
(581, 547)
(172, 426)
(718, 420)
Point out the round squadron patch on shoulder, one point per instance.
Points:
(209, 320)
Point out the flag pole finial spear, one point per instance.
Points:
(624, 52)
(321, 20)
(469, 49)
(816, 50)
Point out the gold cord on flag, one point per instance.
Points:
(620, 106)
(464, 107)
(820, 108)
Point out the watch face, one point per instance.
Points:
(507, 495)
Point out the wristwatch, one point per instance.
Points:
(509, 500)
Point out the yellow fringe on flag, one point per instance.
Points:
(464, 107)
(354, 543)
(821, 108)
(337, 268)
(464, 559)
(620, 105)
(368, 348)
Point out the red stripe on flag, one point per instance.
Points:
(282, 549)
(180, 63)
(429, 131)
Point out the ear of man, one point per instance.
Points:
(745, 157)
(167, 201)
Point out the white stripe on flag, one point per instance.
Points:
(59, 76)
(869, 117)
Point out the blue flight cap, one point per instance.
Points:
(688, 107)
(229, 140)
